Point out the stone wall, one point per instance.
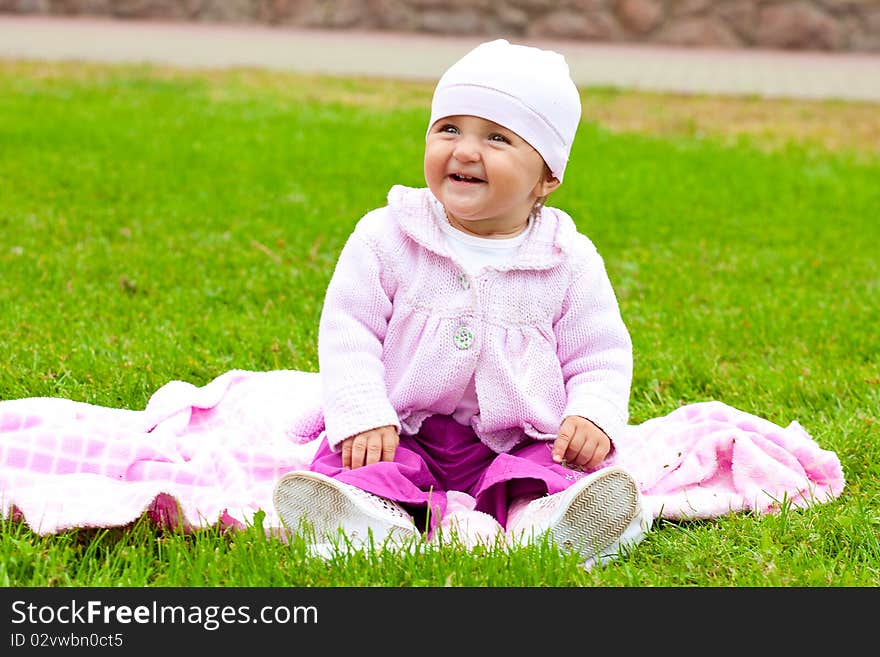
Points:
(844, 25)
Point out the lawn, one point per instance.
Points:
(160, 224)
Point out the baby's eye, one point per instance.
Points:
(448, 127)
(499, 138)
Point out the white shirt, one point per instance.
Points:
(475, 252)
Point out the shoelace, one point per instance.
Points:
(384, 503)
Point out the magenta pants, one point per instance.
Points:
(444, 456)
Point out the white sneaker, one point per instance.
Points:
(330, 507)
(597, 517)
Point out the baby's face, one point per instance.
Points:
(486, 176)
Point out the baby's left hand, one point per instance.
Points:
(581, 443)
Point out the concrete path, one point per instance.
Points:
(771, 74)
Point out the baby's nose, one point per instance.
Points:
(467, 150)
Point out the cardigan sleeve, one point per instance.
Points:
(595, 350)
(354, 320)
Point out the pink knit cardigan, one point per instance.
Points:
(404, 328)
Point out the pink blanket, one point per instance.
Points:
(203, 456)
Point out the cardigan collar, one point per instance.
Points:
(419, 213)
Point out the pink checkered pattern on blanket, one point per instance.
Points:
(202, 456)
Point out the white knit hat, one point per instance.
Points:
(524, 89)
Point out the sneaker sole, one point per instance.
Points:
(329, 510)
(598, 514)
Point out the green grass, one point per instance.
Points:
(163, 225)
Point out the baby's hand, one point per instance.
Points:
(369, 447)
(581, 443)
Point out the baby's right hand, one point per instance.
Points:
(369, 447)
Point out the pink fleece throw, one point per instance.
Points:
(207, 456)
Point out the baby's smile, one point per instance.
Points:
(458, 177)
